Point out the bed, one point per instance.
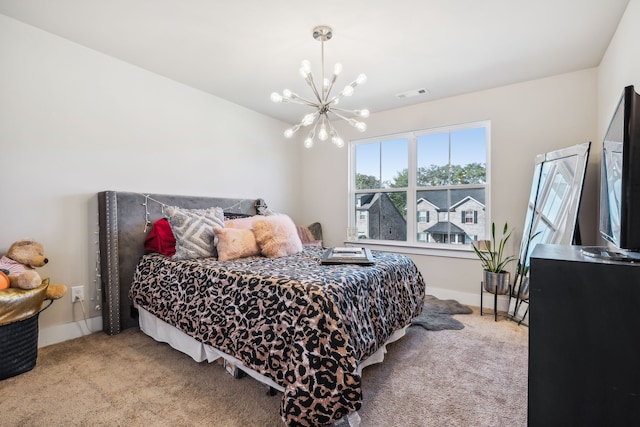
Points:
(303, 328)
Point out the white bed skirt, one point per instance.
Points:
(161, 331)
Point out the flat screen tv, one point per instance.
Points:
(620, 180)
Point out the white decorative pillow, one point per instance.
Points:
(234, 243)
(193, 230)
(277, 236)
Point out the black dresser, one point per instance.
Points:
(584, 340)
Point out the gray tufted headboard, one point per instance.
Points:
(125, 220)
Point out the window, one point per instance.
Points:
(469, 217)
(427, 187)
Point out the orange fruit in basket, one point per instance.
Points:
(4, 280)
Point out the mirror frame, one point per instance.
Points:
(548, 166)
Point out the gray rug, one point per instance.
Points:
(436, 314)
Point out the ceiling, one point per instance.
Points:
(245, 49)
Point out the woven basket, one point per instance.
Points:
(19, 346)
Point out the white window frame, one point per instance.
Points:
(413, 245)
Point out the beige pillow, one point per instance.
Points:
(277, 236)
(246, 223)
(234, 243)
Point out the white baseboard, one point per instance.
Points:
(469, 298)
(68, 331)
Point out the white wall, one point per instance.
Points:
(620, 66)
(526, 119)
(74, 122)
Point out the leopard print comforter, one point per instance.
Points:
(302, 324)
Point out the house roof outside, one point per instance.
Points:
(366, 200)
(440, 198)
(444, 228)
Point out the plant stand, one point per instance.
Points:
(495, 300)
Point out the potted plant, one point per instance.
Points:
(494, 261)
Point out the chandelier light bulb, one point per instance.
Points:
(364, 113)
(308, 143)
(287, 93)
(347, 91)
(322, 133)
(305, 67)
(335, 138)
(276, 97)
(337, 69)
(361, 126)
(293, 129)
(361, 79)
(308, 119)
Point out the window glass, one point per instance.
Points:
(448, 177)
(394, 161)
(367, 166)
(433, 160)
(468, 156)
(380, 216)
(453, 226)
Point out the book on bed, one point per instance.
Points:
(347, 255)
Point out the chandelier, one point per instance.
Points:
(324, 103)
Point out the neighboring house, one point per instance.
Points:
(378, 218)
(451, 216)
(443, 216)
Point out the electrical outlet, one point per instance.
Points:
(77, 293)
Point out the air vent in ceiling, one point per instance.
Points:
(412, 93)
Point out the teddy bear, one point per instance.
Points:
(19, 264)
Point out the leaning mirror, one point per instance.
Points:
(552, 211)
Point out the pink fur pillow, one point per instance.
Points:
(246, 223)
(277, 236)
(234, 243)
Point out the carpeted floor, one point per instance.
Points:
(474, 376)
